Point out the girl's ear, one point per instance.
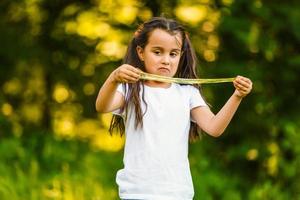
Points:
(140, 52)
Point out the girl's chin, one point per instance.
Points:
(164, 72)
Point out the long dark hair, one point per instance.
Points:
(186, 69)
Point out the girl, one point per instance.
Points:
(160, 118)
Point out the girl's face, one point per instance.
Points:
(162, 53)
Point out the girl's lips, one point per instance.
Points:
(164, 69)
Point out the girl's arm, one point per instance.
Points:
(215, 125)
(108, 98)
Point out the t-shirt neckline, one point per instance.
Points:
(159, 88)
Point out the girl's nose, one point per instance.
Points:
(166, 60)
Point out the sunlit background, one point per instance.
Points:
(55, 55)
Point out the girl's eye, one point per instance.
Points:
(173, 54)
(157, 52)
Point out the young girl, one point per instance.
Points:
(159, 118)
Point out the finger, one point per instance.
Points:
(134, 74)
(243, 85)
(238, 85)
(247, 80)
(127, 71)
(130, 78)
(242, 78)
(241, 81)
(243, 91)
(133, 69)
(136, 70)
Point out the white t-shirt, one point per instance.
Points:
(156, 165)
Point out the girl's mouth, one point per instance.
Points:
(164, 69)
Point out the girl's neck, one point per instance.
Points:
(157, 84)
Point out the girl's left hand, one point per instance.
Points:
(243, 86)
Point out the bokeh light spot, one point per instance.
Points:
(209, 55)
(191, 14)
(7, 109)
(252, 154)
(60, 93)
(89, 89)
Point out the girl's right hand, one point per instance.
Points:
(126, 74)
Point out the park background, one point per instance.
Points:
(56, 54)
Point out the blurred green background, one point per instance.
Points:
(55, 54)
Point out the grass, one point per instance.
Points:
(48, 168)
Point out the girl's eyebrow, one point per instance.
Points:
(159, 47)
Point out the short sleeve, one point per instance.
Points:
(120, 89)
(196, 99)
